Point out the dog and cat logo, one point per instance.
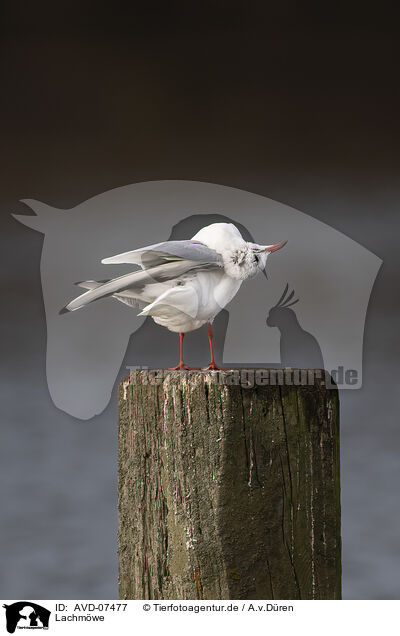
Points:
(26, 615)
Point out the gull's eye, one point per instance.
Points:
(256, 258)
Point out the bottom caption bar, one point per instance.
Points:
(177, 617)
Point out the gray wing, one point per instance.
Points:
(133, 286)
(160, 253)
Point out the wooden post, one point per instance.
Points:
(227, 491)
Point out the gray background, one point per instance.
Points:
(284, 101)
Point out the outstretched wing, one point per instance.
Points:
(137, 285)
(161, 253)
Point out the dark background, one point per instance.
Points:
(294, 102)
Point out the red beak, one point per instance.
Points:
(276, 247)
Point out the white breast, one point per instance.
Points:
(215, 290)
(209, 292)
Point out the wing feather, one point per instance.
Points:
(177, 299)
(160, 253)
(135, 283)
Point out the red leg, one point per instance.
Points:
(181, 366)
(212, 366)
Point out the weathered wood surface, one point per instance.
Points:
(228, 492)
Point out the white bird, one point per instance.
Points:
(183, 284)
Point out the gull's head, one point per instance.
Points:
(241, 258)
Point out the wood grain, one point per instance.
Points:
(228, 492)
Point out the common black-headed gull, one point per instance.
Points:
(183, 284)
